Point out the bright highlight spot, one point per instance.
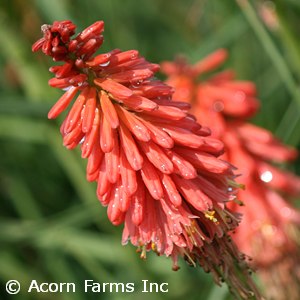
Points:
(266, 176)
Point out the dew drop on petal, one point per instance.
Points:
(82, 140)
(136, 83)
(163, 167)
(266, 176)
(104, 64)
(67, 88)
(155, 192)
(133, 56)
(218, 106)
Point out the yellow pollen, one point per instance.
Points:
(210, 215)
(153, 246)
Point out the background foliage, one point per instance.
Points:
(52, 227)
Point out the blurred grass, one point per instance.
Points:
(52, 227)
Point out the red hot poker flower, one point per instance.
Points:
(148, 155)
(57, 42)
(269, 222)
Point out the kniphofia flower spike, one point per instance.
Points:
(157, 169)
(269, 224)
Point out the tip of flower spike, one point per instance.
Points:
(45, 27)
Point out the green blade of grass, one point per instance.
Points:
(23, 199)
(279, 64)
(221, 37)
(17, 52)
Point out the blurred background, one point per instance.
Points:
(52, 227)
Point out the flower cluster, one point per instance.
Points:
(158, 171)
(267, 231)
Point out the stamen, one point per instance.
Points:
(153, 247)
(236, 184)
(210, 215)
(189, 259)
(143, 253)
(239, 202)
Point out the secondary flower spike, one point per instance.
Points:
(270, 226)
(157, 169)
